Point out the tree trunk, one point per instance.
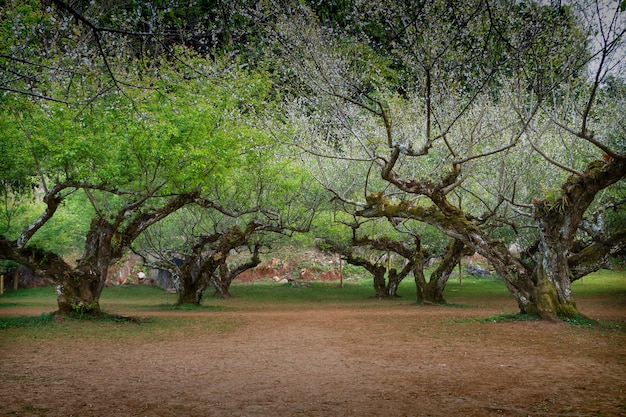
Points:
(432, 291)
(189, 296)
(551, 299)
(549, 287)
(193, 282)
(222, 288)
(380, 286)
(420, 282)
(558, 221)
(80, 291)
(393, 282)
(222, 280)
(192, 290)
(227, 276)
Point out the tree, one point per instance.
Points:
(371, 248)
(438, 99)
(266, 195)
(136, 159)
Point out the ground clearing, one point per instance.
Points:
(316, 356)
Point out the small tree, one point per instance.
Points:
(266, 195)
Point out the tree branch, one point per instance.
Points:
(595, 256)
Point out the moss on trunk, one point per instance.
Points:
(79, 293)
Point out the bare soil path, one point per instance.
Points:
(392, 359)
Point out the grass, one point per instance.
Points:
(134, 298)
(31, 329)
(603, 282)
(138, 298)
(43, 319)
(263, 294)
(44, 298)
(317, 292)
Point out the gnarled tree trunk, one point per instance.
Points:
(227, 275)
(210, 256)
(193, 282)
(543, 287)
(394, 278)
(557, 221)
(79, 288)
(432, 291)
(80, 292)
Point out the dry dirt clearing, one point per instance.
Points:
(376, 359)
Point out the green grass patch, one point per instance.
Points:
(511, 317)
(499, 318)
(580, 320)
(476, 287)
(44, 297)
(586, 322)
(601, 283)
(190, 307)
(138, 300)
(44, 319)
(269, 291)
(29, 294)
(149, 329)
(134, 298)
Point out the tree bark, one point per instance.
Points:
(453, 222)
(81, 291)
(193, 282)
(596, 255)
(418, 272)
(378, 273)
(210, 255)
(227, 275)
(432, 290)
(542, 287)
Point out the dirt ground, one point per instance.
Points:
(393, 359)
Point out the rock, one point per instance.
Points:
(477, 271)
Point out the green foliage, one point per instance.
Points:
(83, 309)
(16, 167)
(65, 233)
(192, 130)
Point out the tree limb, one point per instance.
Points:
(595, 256)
